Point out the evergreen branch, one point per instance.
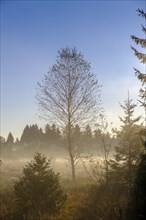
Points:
(141, 13)
(143, 104)
(140, 56)
(141, 76)
(137, 40)
(143, 29)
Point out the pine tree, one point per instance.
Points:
(136, 208)
(129, 107)
(38, 191)
(137, 203)
(52, 134)
(142, 58)
(31, 134)
(10, 139)
(25, 135)
(140, 187)
(127, 153)
(2, 139)
(88, 133)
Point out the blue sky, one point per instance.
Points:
(33, 31)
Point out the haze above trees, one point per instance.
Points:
(106, 165)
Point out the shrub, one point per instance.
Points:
(38, 191)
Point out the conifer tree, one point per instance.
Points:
(88, 132)
(128, 107)
(129, 145)
(10, 139)
(137, 204)
(31, 134)
(25, 137)
(142, 58)
(38, 191)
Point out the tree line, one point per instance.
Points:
(69, 94)
(37, 138)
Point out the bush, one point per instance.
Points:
(38, 191)
(94, 202)
(137, 204)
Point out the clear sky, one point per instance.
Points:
(33, 31)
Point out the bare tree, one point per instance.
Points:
(105, 141)
(69, 95)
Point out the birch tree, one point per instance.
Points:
(69, 94)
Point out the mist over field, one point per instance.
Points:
(89, 148)
(67, 151)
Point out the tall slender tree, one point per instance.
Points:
(136, 207)
(105, 143)
(142, 58)
(128, 119)
(129, 145)
(69, 95)
(10, 139)
(31, 134)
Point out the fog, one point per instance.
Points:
(12, 164)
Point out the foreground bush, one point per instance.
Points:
(38, 191)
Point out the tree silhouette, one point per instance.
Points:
(142, 58)
(31, 134)
(127, 153)
(38, 191)
(10, 139)
(69, 94)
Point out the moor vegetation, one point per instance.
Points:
(78, 167)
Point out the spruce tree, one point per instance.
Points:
(142, 58)
(38, 191)
(136, 208)
(25, 137)
(10, 139)
(126, 157)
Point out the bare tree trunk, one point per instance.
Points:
(72, 164)
(106, 170)
(69, 94)
(106, 150)
(73, 168)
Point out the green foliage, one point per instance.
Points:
(84, 202)
(2, 140)
(52, 134)
(38, 191)
(140, 185)
(31, 134)
(137, 203)
(10, 139)
(142, 58)
(94, 202)
(7, 207)
(128, 107)
(124, 165)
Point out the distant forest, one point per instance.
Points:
(35, 139)
(111, 184)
